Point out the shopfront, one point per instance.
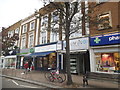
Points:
(23, 56)
(9, 61)
(105, 54)
(45, 56)
(79, 55)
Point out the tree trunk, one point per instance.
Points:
(67, 31)
(83, 17)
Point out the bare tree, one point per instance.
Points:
(8, 43)
(72, 21)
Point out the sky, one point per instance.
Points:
(12, 11)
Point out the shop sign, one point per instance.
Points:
(105, 39)
(59, 45)
(78, 44)
(32, 50)
(46, 48)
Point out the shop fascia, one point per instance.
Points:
(26, 51)
(55, 46)
(77, 45)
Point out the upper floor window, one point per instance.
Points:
(23, 42)
(43, 37)
(17, 30)
(54, 37)
(32, 25)
(31, 40)
(24, 28)
(44, 21)
(55, 16)
(101, 1)
(104, 21)
(11, 33)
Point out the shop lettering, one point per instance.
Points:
(114, 38)
(79, 42)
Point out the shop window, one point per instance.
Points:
(45, 62)
(104, 21)
(108, 62)
(52, 61)
(39, 62)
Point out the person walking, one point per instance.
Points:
(25, 67)
(29, 64)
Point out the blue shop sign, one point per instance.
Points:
(105, 39)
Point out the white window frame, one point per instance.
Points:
(32, 23)
(31, 43)
(23, 43)
(101, 1)
(43, 37)
(54, 36)
(24, 30)
(10, 33)
(44, 21)
(110, 19)
(55, 17)
(17, 30)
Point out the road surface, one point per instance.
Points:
(11, 83)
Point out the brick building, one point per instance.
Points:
(105, 38)
(43, 41)
(11, 57)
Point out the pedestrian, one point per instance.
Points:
(29, 64)
(25, 67)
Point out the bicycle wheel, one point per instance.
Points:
(51, 78)
(63, 76)
(47, 75)
(60, 80)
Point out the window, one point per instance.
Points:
(45, 21)
(31, 40)
(55, 16)
(32, 25)
(17, 30)
(107, 62)
(54, 37)
(24, 28)
(23, 42)
(104, 21)
(101, 1)
(43, 37)
(11, 33)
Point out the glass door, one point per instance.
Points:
(73, 65)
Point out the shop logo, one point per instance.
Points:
(97, 40)
(32, 50)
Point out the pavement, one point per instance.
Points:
(37, 77)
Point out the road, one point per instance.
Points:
(10, 83)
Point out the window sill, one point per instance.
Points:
(104, 28)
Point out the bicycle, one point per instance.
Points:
(54, 75)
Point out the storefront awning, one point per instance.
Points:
(41, 53)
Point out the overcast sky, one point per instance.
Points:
(12, 11)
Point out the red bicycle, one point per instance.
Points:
(54, 75)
